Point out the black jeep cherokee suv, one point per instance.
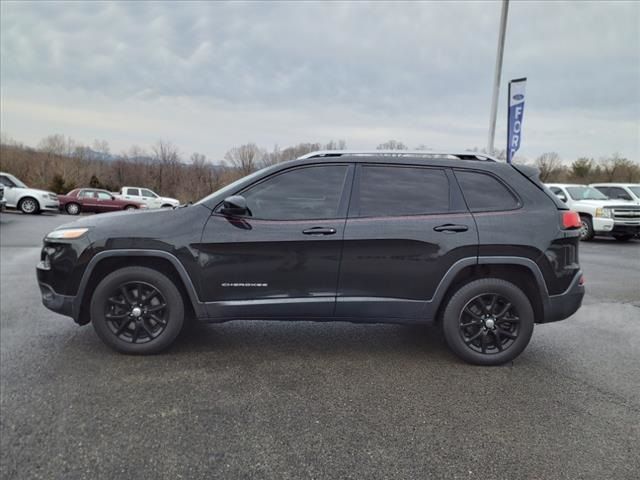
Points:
(477, 245)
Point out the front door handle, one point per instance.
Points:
(319, 231)
(449, 227)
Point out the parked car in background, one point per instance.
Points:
(92, 200)
(599, 215)
(146, 196)
(620, 191)
(25, 199)
(2, 200)
(361, 236)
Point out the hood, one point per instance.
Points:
(142, 223)
(605, 203)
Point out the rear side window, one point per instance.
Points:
(133, 192)
(386, 191)
(483, 192)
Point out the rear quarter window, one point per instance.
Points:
(485, 193)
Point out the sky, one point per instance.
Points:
(210, 76)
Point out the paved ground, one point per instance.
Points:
(278, 400)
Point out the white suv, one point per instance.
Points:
(28, 200)
(598, 214)
(148, 197)
(620, 191)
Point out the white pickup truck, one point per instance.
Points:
(599, 215)
(147, 197)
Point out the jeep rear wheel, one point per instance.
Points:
(488, 322)
(137, 310)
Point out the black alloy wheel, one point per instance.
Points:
(136, 312)
(489, 323)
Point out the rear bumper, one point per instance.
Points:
(564, 305)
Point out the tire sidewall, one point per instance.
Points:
(173, 298)
(29, 199)
(451, 319)
(587, 225)
(71, 205)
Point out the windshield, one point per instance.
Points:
(585, 193)
(635, 190)
(16, 181)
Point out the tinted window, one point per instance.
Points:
(133, 191)
(103, 196)
(483, 192)
(393, 191)
(304, 193)
(618, 193)
(6, 182)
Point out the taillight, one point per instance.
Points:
(570, 219)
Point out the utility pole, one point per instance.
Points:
(496, 76)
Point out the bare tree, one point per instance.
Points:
(392, 145)
(548, 163)
(245, 158)
(167, 161)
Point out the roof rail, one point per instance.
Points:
(399, 153)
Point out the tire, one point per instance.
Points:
(130, 320)
(166, 205)
(483, 338)
(130, 207)
(72, 208)
(586, 228)
(623, 238)
(29, 205)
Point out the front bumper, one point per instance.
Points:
(50, 206)
(563, 305)
(603, 225)
(62, 304)
(626, 229)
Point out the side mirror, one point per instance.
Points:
(234, 205)
(562, 197)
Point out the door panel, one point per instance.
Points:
(266, 267)
(392, 264)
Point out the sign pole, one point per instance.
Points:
(497, 75)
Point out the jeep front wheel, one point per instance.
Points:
(488, 322)
(137, 310)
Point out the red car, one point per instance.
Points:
(95, 201)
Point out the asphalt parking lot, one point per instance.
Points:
(303, 400)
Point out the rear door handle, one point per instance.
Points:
(319, 231)
(449, 227)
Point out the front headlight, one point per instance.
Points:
(67, 233)
(604, 212)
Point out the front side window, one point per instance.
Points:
(303, 193)
(387, 191)
(635, 190)
(6, 182)
(618, 193)
(483, 192)
(148, 193)
(103, 196)
(585, 193)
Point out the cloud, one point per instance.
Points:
(349, 70)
